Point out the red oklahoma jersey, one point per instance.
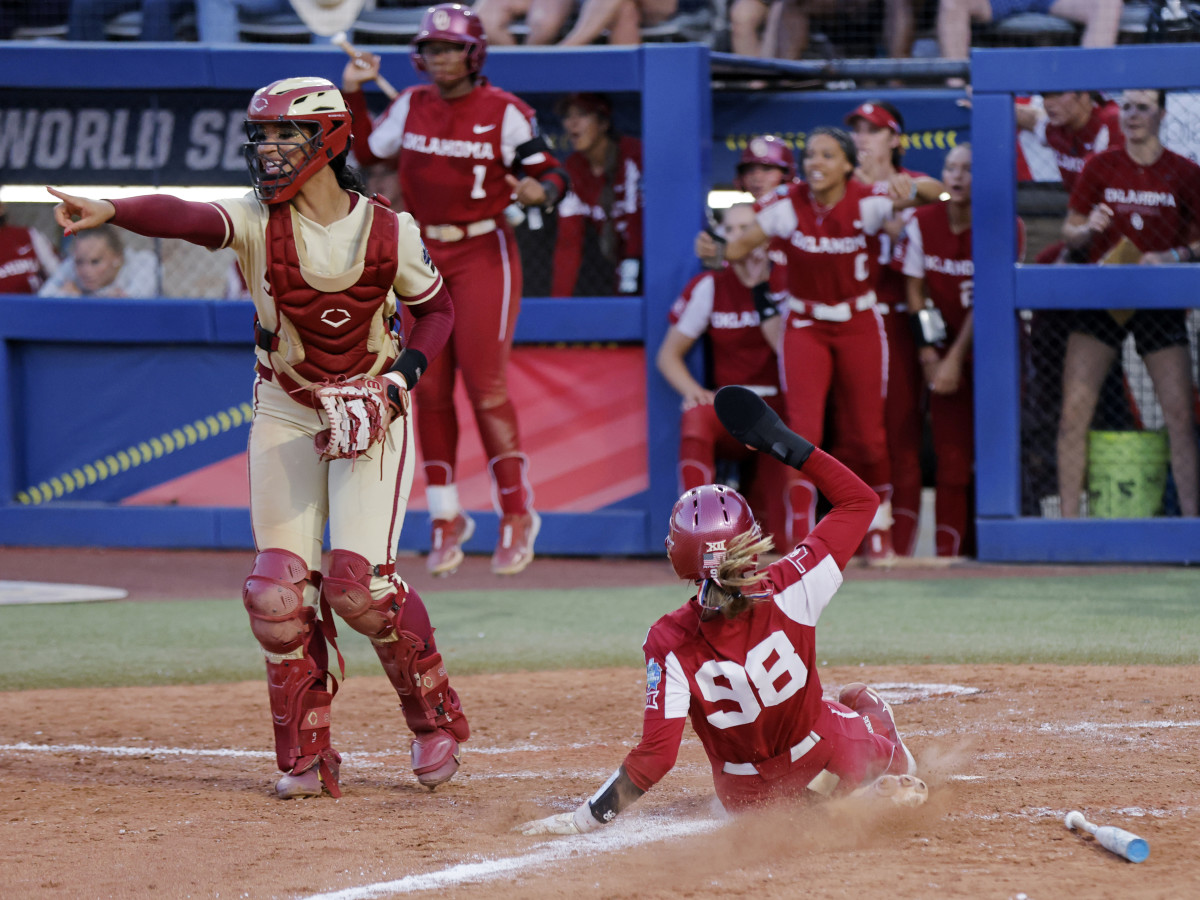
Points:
(719, 304)
(944, 260)
(585, 202)
(832, 254)
(1157, 207)
(26, 260)
(1072, 149)
(454, 154)
(750, 683)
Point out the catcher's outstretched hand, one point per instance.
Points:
(747, 417)
(75, 214)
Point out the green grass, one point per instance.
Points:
(1106, 619)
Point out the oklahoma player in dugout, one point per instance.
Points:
(460, 142)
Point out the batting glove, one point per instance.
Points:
(581, 821)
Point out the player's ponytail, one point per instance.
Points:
(348, 177)
(724, 591)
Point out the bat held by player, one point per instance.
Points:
(340, 40)
(1116, 840)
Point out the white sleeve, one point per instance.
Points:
(63, 275)
(693, 319)
(1039, 129)
(804, 600)
(417, 279)
(778, 219)
(914, 253)
(46, 256)
(677, 696)
(388, 133)
(572, 206)
(515, 131)
(874, 211)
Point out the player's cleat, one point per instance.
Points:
(306, 784)
(518, 531)
(445, 546)
(435, 757)
(898, 790)
(878, 713)
(878, 550)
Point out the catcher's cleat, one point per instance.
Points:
(435, 757)
(445, 546)
(306, 784)
(899, 790)
(514, 552)
(878, 713)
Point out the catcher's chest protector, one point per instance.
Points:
(333, 325)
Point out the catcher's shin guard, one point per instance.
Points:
(297, 665)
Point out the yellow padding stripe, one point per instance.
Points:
(136, 454)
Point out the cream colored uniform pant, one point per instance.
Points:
(294, 493)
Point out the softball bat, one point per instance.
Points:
(342, 41)
(1111, 838)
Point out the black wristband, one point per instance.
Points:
(762, 302)
(614, 795)
(411, 364)
(918, 333)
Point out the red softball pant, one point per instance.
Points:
(903, 420)
(952, 419)
(483, 275)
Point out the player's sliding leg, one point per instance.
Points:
(297, 673)
(398, 626)
(899, 785)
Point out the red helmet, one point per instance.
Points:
(703, 522)
(767, 150)
(455, 24)
(314, 102)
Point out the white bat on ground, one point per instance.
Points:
(1116, 840)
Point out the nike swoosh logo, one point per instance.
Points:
(482, 129)
(26, 249)
(801, 323)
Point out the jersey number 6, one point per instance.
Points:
(766, 691)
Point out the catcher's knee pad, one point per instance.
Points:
(347, 590)
(274, 597)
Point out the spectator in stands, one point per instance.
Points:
(605, 196)
(789, 24)
(622, 19)
(730, 307)
(100, 266)
(1143, 200)
(545, 19)
(218, 21)
(88, 18)
(26, 257)
(1101, 19)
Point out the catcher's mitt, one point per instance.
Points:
(359, 413)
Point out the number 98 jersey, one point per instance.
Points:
(750, 683)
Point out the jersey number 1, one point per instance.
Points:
(766, 689)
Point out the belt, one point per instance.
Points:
(449, 234)
(789, 757)
(833, 312)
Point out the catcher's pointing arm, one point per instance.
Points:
(616, 794)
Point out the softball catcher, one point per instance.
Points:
(331, 441)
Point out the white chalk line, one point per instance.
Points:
(620, 836)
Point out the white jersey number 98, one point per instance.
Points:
(754, 685)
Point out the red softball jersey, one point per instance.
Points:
(832, 253)
(1157, 207)
(890, 286)
(750, 683)
(454, 154)
(1072, 149)
(718, 303)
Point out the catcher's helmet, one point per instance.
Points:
(312, 102)
(703, 522)
(455, 24)
(766, 150)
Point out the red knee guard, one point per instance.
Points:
(347, 590)
(274, 597)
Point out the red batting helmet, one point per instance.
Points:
(314, 102)
(766, 150)
(703, 522)
(454, 24)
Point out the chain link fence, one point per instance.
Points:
(1109, 400)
